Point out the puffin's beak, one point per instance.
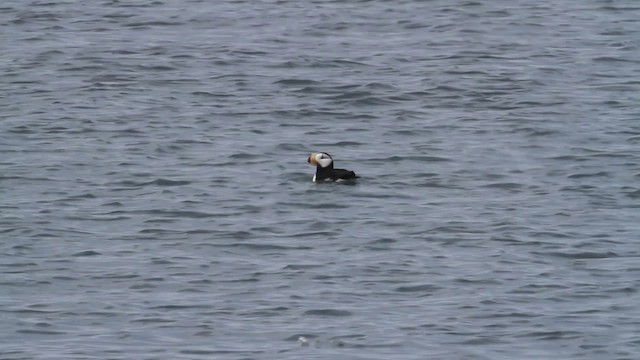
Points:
(312, 159)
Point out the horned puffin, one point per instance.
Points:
(325, 170)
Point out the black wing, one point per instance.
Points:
(343, 174)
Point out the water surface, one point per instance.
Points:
(156, 202)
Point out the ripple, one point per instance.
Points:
(579, 255)
(297, 82)
(86, 253)
(429, 288)
(40, 332)
(328, 312)
(255, 246)
(588, 175)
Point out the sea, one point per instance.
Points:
(156, 201)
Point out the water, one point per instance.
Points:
(156, 202)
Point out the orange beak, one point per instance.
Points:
(312, 159)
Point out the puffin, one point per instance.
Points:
(325, 170)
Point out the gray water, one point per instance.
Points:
(156, 203)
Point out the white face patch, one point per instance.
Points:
(323, 160)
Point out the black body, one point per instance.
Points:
(329, 172)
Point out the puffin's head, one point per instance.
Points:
(323, 160)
